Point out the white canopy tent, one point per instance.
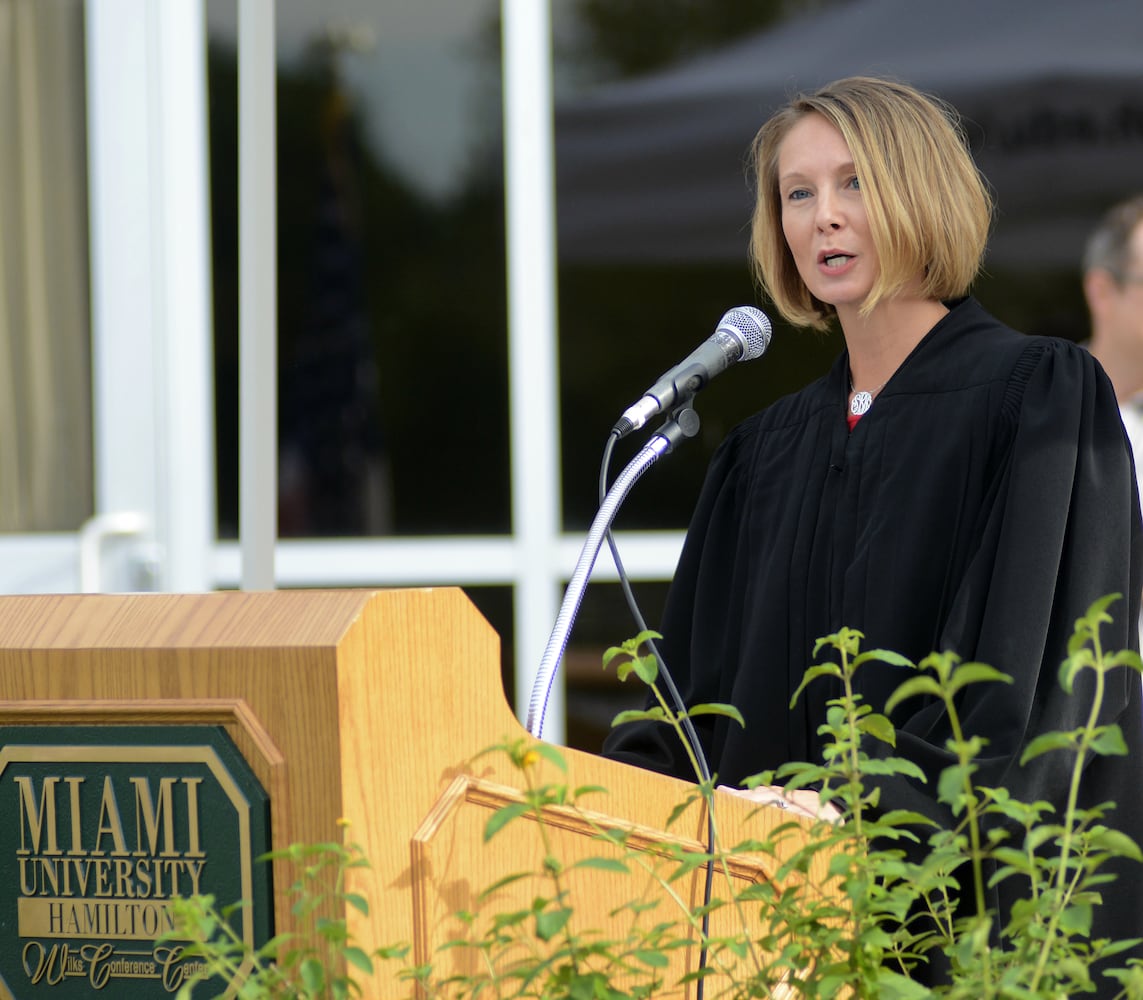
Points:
(1051, 93)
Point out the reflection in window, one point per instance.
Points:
(392, 312)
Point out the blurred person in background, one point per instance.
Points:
(1113, 288)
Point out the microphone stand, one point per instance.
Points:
(683, 423)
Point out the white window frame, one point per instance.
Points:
(163, 276)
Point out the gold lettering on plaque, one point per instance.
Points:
(33, 817)
(109, 821)
(90, 880)
(193, 850)
(76, 830)
(154, 819)
(149, 818)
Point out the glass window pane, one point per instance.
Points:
(392, 313)
(630, 308)
(495, 604)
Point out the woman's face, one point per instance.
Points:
(823, 214)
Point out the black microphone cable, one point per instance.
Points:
(676, 699)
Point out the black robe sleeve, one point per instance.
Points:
(1062, 529)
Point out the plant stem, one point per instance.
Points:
(707, 790)
(1070, 812)
(972, 820)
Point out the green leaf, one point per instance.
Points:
(975, 673)
(333, 931)
(502, 816)
(358, 959)
(880, 728)
(550, 922)
(1082, 658)
(551, 754)
(840, 864)
(589, 790)
(1116, 947)
(602, 864)
(911, 689)
(1126, 658)
(647, 667)
(894, 986)
(813, 673)
(1076, 919)
(951, 786)
(313, 975)
(1041, 835)
(901, 817)
(738, 946)
(655, 714)
(893, 765)
(716, 708)
(687, 862)
(1097, 613)
(358, 902)
(1115, 843)
(610, 653)
(1109, 742)
(1046, 742)
(883, 656)
(643, 637)
(655, 959)
(1013, 858)
(500, 884)
(681, 808)
(630, 647)
(625, 669)
(500, 921)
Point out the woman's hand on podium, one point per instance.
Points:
(799, 801)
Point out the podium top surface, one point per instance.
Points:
(232, 619)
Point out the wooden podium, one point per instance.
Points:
(372, 707)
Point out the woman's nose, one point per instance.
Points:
(828, 213)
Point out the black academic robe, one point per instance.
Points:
(981, 505)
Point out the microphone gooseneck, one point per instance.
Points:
(659, 445)
(743, 334)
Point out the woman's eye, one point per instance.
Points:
(797, 194)
(855, 184)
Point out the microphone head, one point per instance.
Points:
(750, 327)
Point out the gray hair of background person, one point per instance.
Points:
(1108, 247)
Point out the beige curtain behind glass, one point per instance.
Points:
(45, 369)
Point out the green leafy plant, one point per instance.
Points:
(868, 906)
(313, 964)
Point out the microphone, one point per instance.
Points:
(743, 334)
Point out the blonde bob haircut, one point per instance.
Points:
(928, 207)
